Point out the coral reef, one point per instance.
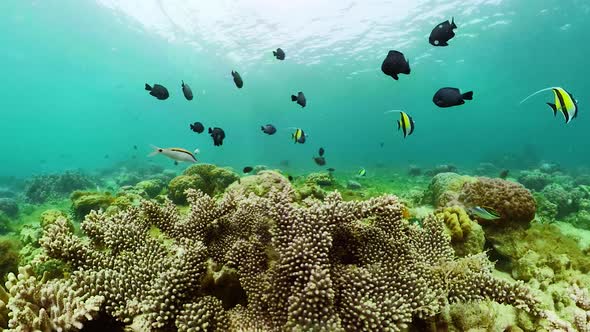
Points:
(467, 236)
(35, 305)
(85, 201)
(47, 187)
(325, 265)
(260, 184)
(512, 201)
(535, 179)
(208, 178)
(9, 257)
(566, 200)
(444, 189)
(9, 207)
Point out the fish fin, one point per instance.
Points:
(399, 125)
(210, 130)
(394, 76)
(468, 95)
(554, 108)
(443, 43)
(148, 87)
(453, 25)
(274, 53)
(155, 152)
(262, 128)
(535, 93)
(293, 97)
(183, 83)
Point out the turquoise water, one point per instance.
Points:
(73, 75)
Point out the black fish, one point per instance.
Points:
(279, 54)
(269, 129)
(504, 174)
(331, 169)
(175, 163)
(135, 147)
(197, 127)
(300, 99)
(321, 161)
(321, 152)
(218, 135)
(188, 93)
(395, 63)
(447, 97)
(158, 91)
(442, 33)
(237, 79)
(381, 144)
(247, 169)
(290, 178)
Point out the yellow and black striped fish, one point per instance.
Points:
(298, 136)
(564, 102)
(405, 123)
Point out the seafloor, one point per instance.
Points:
(213, 250)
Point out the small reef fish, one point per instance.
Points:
(405, 123)
(268, 129)
(504, 174)
(176, 154)
(218, 135)
(564, 102)
(186, 90)
(300, 99)
(321, 161)
(485, 213)
(362, 172)
(298, 136)
(442, 33)
(394, 64)
(279, 54)
(331, 169)
(247, 169)
(158, 91)
(321, 152)
(448, 97)
(237, 79)
(197, 127)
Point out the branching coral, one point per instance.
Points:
(324, 265)
(57, 305)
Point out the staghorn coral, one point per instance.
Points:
(514, 203)
(35, 305)
(325, 266)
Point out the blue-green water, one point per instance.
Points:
(73, 74)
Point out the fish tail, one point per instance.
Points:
(155, 152)
(536, 93)
(148, 87)
(293, 97)
(468, 95)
